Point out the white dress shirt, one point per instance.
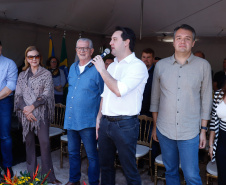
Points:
(131, 75)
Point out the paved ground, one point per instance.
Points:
(63, 173)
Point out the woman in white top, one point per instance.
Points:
(217, 140)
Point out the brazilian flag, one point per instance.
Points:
(64, 65)
(51, 47)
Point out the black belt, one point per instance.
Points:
(118, 118)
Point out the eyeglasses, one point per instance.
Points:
(33, 57)
(53, 61)
(85, 49)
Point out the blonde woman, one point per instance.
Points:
(34, 105)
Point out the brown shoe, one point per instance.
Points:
(57, 182)
(73, 183)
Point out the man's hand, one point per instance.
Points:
(28, 109)
(31, 117)
(97, 127)
(154, 135)
(99, 63)
(202, 139)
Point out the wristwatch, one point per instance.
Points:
(204, 128)
(210, 146)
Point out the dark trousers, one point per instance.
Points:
(58, 98)
(221, 157)
(122, 136)
(6, 106)
(46, 159)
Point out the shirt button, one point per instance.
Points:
(75, 87)
(70, 107)
(180, 66)
(69, 117)
(179, 76)
(177, 111)
(72, 97)
(178, 87)
(178, 100)
(177, 123)
(78, 78)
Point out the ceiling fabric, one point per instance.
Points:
(101, 16)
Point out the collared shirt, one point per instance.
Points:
(8, 73)
(83, 99)
(182, 96)
(131, 75)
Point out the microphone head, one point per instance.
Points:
(107, 51)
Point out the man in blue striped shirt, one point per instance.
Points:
(8, 78)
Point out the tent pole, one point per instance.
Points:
(141, 19)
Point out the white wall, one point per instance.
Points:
(16, 37)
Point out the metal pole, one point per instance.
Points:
(141, 19)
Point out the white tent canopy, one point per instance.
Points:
(101, 16)
(28, 22)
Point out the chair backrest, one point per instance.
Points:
(59, 116)
(144, 132)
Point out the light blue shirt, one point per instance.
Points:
(83, 99)
(59, 80)
(8, 73)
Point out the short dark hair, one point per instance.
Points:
(127, 33)
(49, 59)
(185, 27)
(149, 50)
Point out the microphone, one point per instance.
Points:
(105, 53)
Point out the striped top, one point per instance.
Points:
(218, 119)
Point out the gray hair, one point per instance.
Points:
(86, 40)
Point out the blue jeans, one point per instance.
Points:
(122, 136)
(6, 106)
(88, 136)
(184, 151)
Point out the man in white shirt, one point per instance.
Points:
(117, 125)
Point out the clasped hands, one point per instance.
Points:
(28, 113)
(58, 88)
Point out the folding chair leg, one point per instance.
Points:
(61, 155)
(207, 179)
(155, 175)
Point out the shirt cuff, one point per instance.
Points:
(205, 116)
(154, 108)
(123, 89)
(21, 103)
(39, 101)
(11, 86)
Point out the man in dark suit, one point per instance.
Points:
(148, 57)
